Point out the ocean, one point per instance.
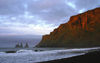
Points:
(42, 54)
(11, 41)
(33, 54)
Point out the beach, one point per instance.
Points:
(91, 57)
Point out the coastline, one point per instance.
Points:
(91, 57)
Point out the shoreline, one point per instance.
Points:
(91, 57)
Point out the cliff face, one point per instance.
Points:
(82, 30)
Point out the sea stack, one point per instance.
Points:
(26, 46)
(19, 45)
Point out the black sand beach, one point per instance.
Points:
(91, 57)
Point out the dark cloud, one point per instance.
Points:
(88, 4)
(50, 13)
(9, 7)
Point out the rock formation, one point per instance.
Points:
(81, 30)
(26, 46)
(19, 45)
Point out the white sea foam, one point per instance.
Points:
(29, 56)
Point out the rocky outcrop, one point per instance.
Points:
(26, 46)
(82, 30)
(19, 45)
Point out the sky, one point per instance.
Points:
(39, 17)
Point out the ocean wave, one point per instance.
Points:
(30, 56)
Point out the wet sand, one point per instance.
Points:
(91, 57)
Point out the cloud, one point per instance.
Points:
(71, 5)
(22, 29)
(31, 16)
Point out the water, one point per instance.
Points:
(11, 41)
(47, 54)
(34, 49)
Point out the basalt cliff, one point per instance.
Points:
(81, 30)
